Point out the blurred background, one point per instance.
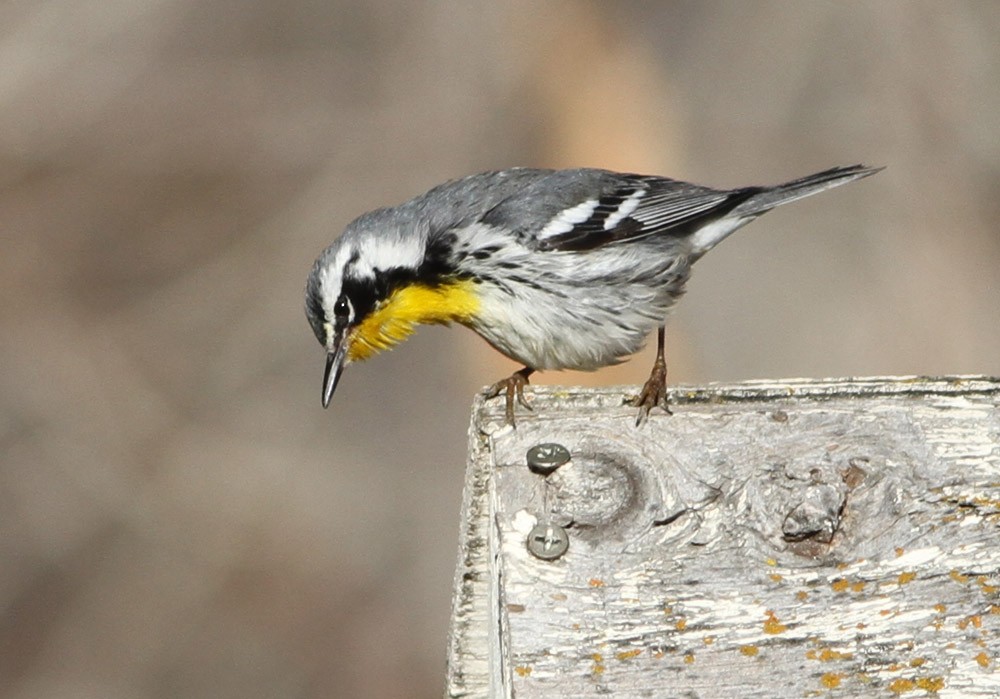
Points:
(178, 516)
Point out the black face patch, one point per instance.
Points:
(436, 268)
(342, 309)
(366, 294)
(437, 265)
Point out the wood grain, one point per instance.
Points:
(770, 539)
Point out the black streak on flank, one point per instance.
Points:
(486, 252)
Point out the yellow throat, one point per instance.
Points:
(394, 319)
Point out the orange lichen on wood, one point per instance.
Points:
(931, 684)
(772, 625)
(928, 684)
(901, 684)
(749, 650)
(831, 680)
(975, 620)
(828, 654)
(906, 577)
(598, 663)
(628, 654)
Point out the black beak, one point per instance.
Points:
(335, 361)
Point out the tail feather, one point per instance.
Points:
(760, 200)
(794, 190)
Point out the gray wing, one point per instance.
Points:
(575, 210)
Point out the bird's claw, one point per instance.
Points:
(653, 393)
(513, 388)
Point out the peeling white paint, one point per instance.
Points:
(717, 603)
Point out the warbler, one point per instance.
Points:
(556, 269)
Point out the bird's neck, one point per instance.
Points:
(394, 319)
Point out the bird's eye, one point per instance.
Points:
(342, 309)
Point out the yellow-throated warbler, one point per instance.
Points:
(557, 269)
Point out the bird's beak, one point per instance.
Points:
(336, 359)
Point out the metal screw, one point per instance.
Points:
(543, 459)
(548, 541)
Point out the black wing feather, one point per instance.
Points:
(668, 207)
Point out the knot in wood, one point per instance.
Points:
(604, 492)
(817, 516)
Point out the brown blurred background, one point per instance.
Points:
(178, 516)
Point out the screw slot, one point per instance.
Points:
(548, 541)
(545, 458)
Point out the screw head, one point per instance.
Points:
(548, 541)
(545, 458)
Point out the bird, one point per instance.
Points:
(556, 269)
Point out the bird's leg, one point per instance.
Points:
(654, 392)
(513, 386)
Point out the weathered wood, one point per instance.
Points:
(794, 538)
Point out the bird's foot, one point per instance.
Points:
(512, 387)
(654, 393)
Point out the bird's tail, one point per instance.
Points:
(770, 197)
(754, 201)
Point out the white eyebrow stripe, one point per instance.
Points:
(568, 219)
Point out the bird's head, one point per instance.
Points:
(333, 315)
(368, 289)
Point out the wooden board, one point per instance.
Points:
(770, 539)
